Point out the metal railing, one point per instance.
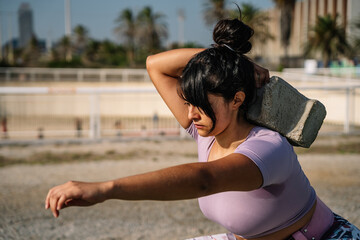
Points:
(73, 74)
(138, 111)
(342, 72)
(129, 75)
(43, 112)
(340, 95)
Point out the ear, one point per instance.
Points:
(239, 98)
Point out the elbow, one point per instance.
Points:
(149, 61)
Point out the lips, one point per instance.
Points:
(199, 126)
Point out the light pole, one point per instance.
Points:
(181, 19)
(67, 18)
(68, 29)
(1, 54)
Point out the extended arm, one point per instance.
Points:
(234, 172)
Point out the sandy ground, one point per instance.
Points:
(336, 178)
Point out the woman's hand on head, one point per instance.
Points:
(261, 76)
(74, 193)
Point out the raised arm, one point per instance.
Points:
(164, 69)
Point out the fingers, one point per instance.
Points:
(258, 82)
(261, 79)
(53, 206)
(61, 202)
(56, 199)
(72, 193)
(267, 76)
(47, 204)
(261, 76)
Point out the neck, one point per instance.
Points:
(234, 134)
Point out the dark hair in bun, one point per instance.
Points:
(234, 33)
(222, 70)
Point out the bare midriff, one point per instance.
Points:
(286, 232)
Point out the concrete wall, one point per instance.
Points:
(147, 104)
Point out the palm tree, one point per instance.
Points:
(356, 37)
(81, 38)
(91, 52)
(65, 48)
(32, 52)
(286, 19)
(126, 30)
(110, 54)
(152, 29)
(214, 11)
(328, 38)
(257, 20)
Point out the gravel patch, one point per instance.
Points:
(335, 177)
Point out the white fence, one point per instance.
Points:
(43, 112)
(136, 110)
(72, 74)
(340, 95)
(343, 72)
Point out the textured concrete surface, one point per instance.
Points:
(280, 107)
(335, 177)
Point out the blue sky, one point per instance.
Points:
(99, 17)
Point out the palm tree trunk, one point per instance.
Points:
(131, 56)
(326, 59)
(286, 16)
(68, 55)
(286, 56)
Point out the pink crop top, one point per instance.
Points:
(284, 198)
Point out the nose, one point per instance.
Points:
(193, 112)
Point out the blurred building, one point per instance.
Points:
(304, 18)
(26, 30)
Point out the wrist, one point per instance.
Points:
(107, 189)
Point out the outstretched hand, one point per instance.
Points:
(74, 194)
(261, 76)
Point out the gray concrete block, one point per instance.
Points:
(282, 108)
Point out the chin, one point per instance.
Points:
(204, 133)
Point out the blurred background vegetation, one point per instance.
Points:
(144, 32)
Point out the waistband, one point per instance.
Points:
(320, 222)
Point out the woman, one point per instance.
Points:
(248, 178)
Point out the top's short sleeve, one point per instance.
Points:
(272, 153)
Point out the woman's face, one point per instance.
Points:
(223, 113)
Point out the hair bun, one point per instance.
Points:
(234, 33)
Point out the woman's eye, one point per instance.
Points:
(187, 103)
